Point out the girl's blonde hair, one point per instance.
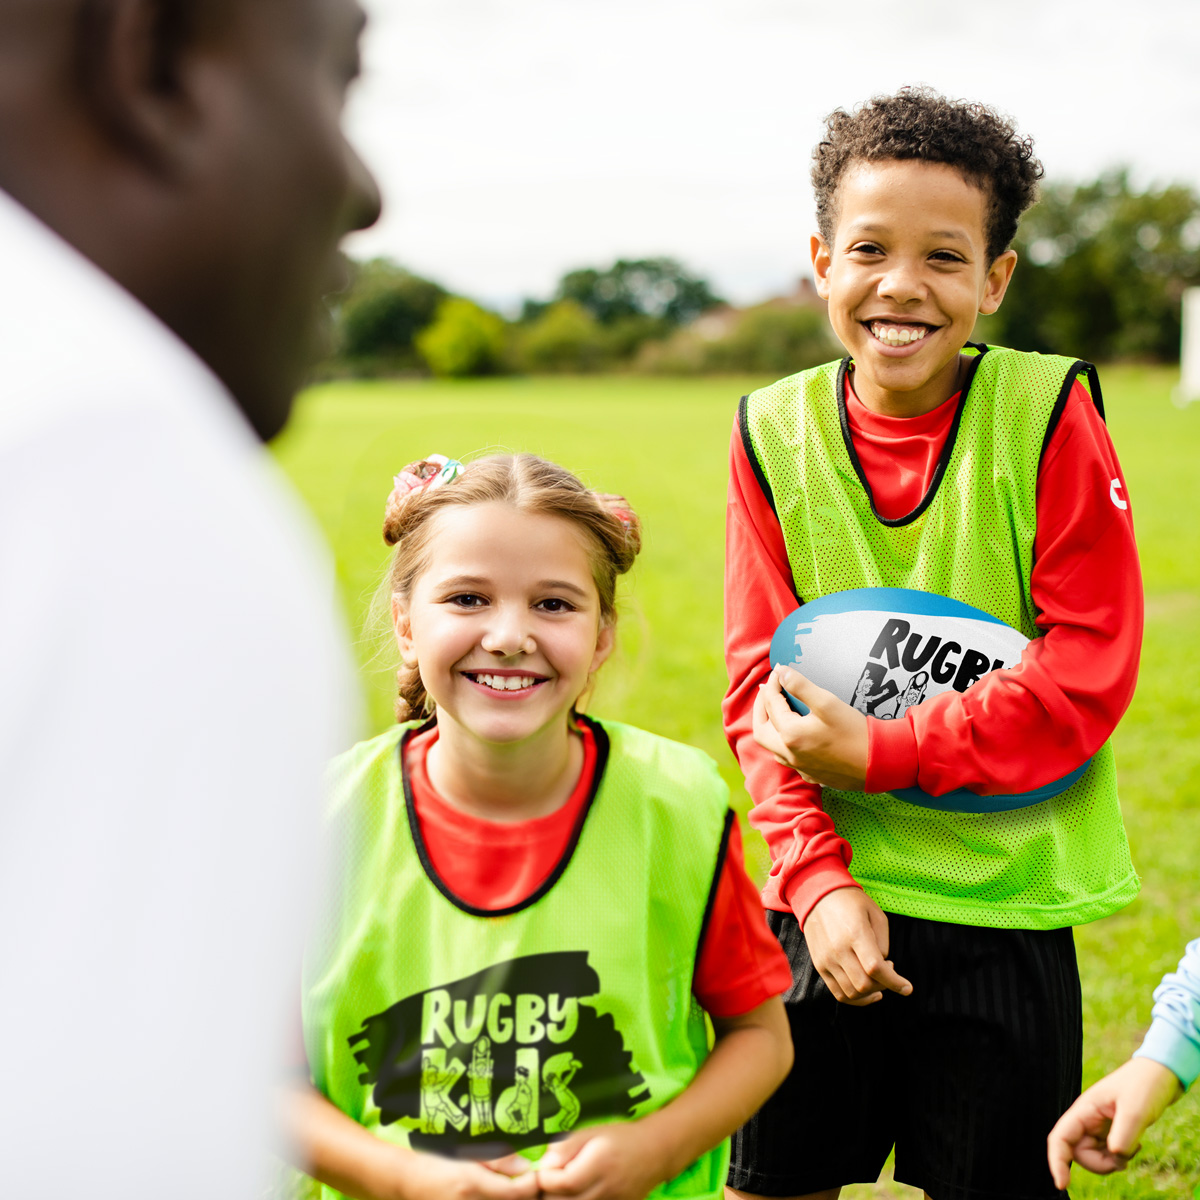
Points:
(530, 485)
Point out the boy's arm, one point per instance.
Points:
(808, 859)
(1024, 727)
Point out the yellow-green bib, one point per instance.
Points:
(1061, 862)
(470, 1034)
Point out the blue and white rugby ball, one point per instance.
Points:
(884, 650)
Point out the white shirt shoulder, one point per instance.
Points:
(173, 676)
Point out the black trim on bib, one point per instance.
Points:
(1078, 367)
(751, 455)
(602, 749)
(943, 459)
(713, 888)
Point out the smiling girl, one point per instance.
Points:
(537, 908)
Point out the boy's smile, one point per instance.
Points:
(906, 277)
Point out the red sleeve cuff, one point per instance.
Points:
(814, 882)
(891, 755)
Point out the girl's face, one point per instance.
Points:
(504, 622)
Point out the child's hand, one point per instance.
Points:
(609, 1162)
(430, 1177)
(434, 1177)
(829, 746)
(1100, 1131)
(847, 936)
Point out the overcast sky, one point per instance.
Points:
(517, 139)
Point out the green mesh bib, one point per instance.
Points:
(1061, 862)
(470, 1034)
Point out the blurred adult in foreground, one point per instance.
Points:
(173, 185)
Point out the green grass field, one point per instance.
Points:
(664, 445)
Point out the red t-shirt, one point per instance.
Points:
(1040, 719)
(494, 864)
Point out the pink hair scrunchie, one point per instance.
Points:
(431, 472)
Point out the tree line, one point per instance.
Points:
(1103, 266)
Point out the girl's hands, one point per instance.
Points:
(609, 1162)
(847, 937)
(1100, 1131)
(827, 747)
(338, 1151)
(429, 1177)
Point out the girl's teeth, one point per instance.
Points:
(898, 335)
(506, 683)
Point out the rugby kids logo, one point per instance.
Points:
(506, 1058)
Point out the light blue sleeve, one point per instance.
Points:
(1174, 1035)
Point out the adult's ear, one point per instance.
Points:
(132, 58)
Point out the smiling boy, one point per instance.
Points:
(935, 1003)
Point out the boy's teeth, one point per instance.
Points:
(506, 683)
(898, 335)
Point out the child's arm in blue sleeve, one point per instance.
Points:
(1174, 1035)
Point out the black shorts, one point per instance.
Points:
(965, 1077)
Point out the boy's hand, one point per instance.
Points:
(1100, 1131)
(828, 747)
(610, 1162)
(847, 936)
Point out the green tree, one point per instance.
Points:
(463, 340)
(383, 312)
(566, 337)
(1102, 271)
(647, 287)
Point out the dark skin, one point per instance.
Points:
(193, 150)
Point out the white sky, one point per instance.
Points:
(517, 139)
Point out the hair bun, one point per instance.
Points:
(620, 508)
(415, 479)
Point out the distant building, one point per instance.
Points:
(719, 322)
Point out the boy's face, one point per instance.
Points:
(905, 278)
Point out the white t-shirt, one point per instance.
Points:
(173, 677)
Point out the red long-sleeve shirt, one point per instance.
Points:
(1012, 730)
(492, 865)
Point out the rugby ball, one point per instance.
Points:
(884, 650)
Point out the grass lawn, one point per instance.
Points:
(664, 445)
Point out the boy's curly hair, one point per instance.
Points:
(918, 123)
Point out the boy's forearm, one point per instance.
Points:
(752, 1056)
(808, 858)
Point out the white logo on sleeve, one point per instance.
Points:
(1113, 488)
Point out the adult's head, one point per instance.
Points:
(193, 150)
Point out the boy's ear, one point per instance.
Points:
(820, 260)
(403, 628)
(998, 277)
